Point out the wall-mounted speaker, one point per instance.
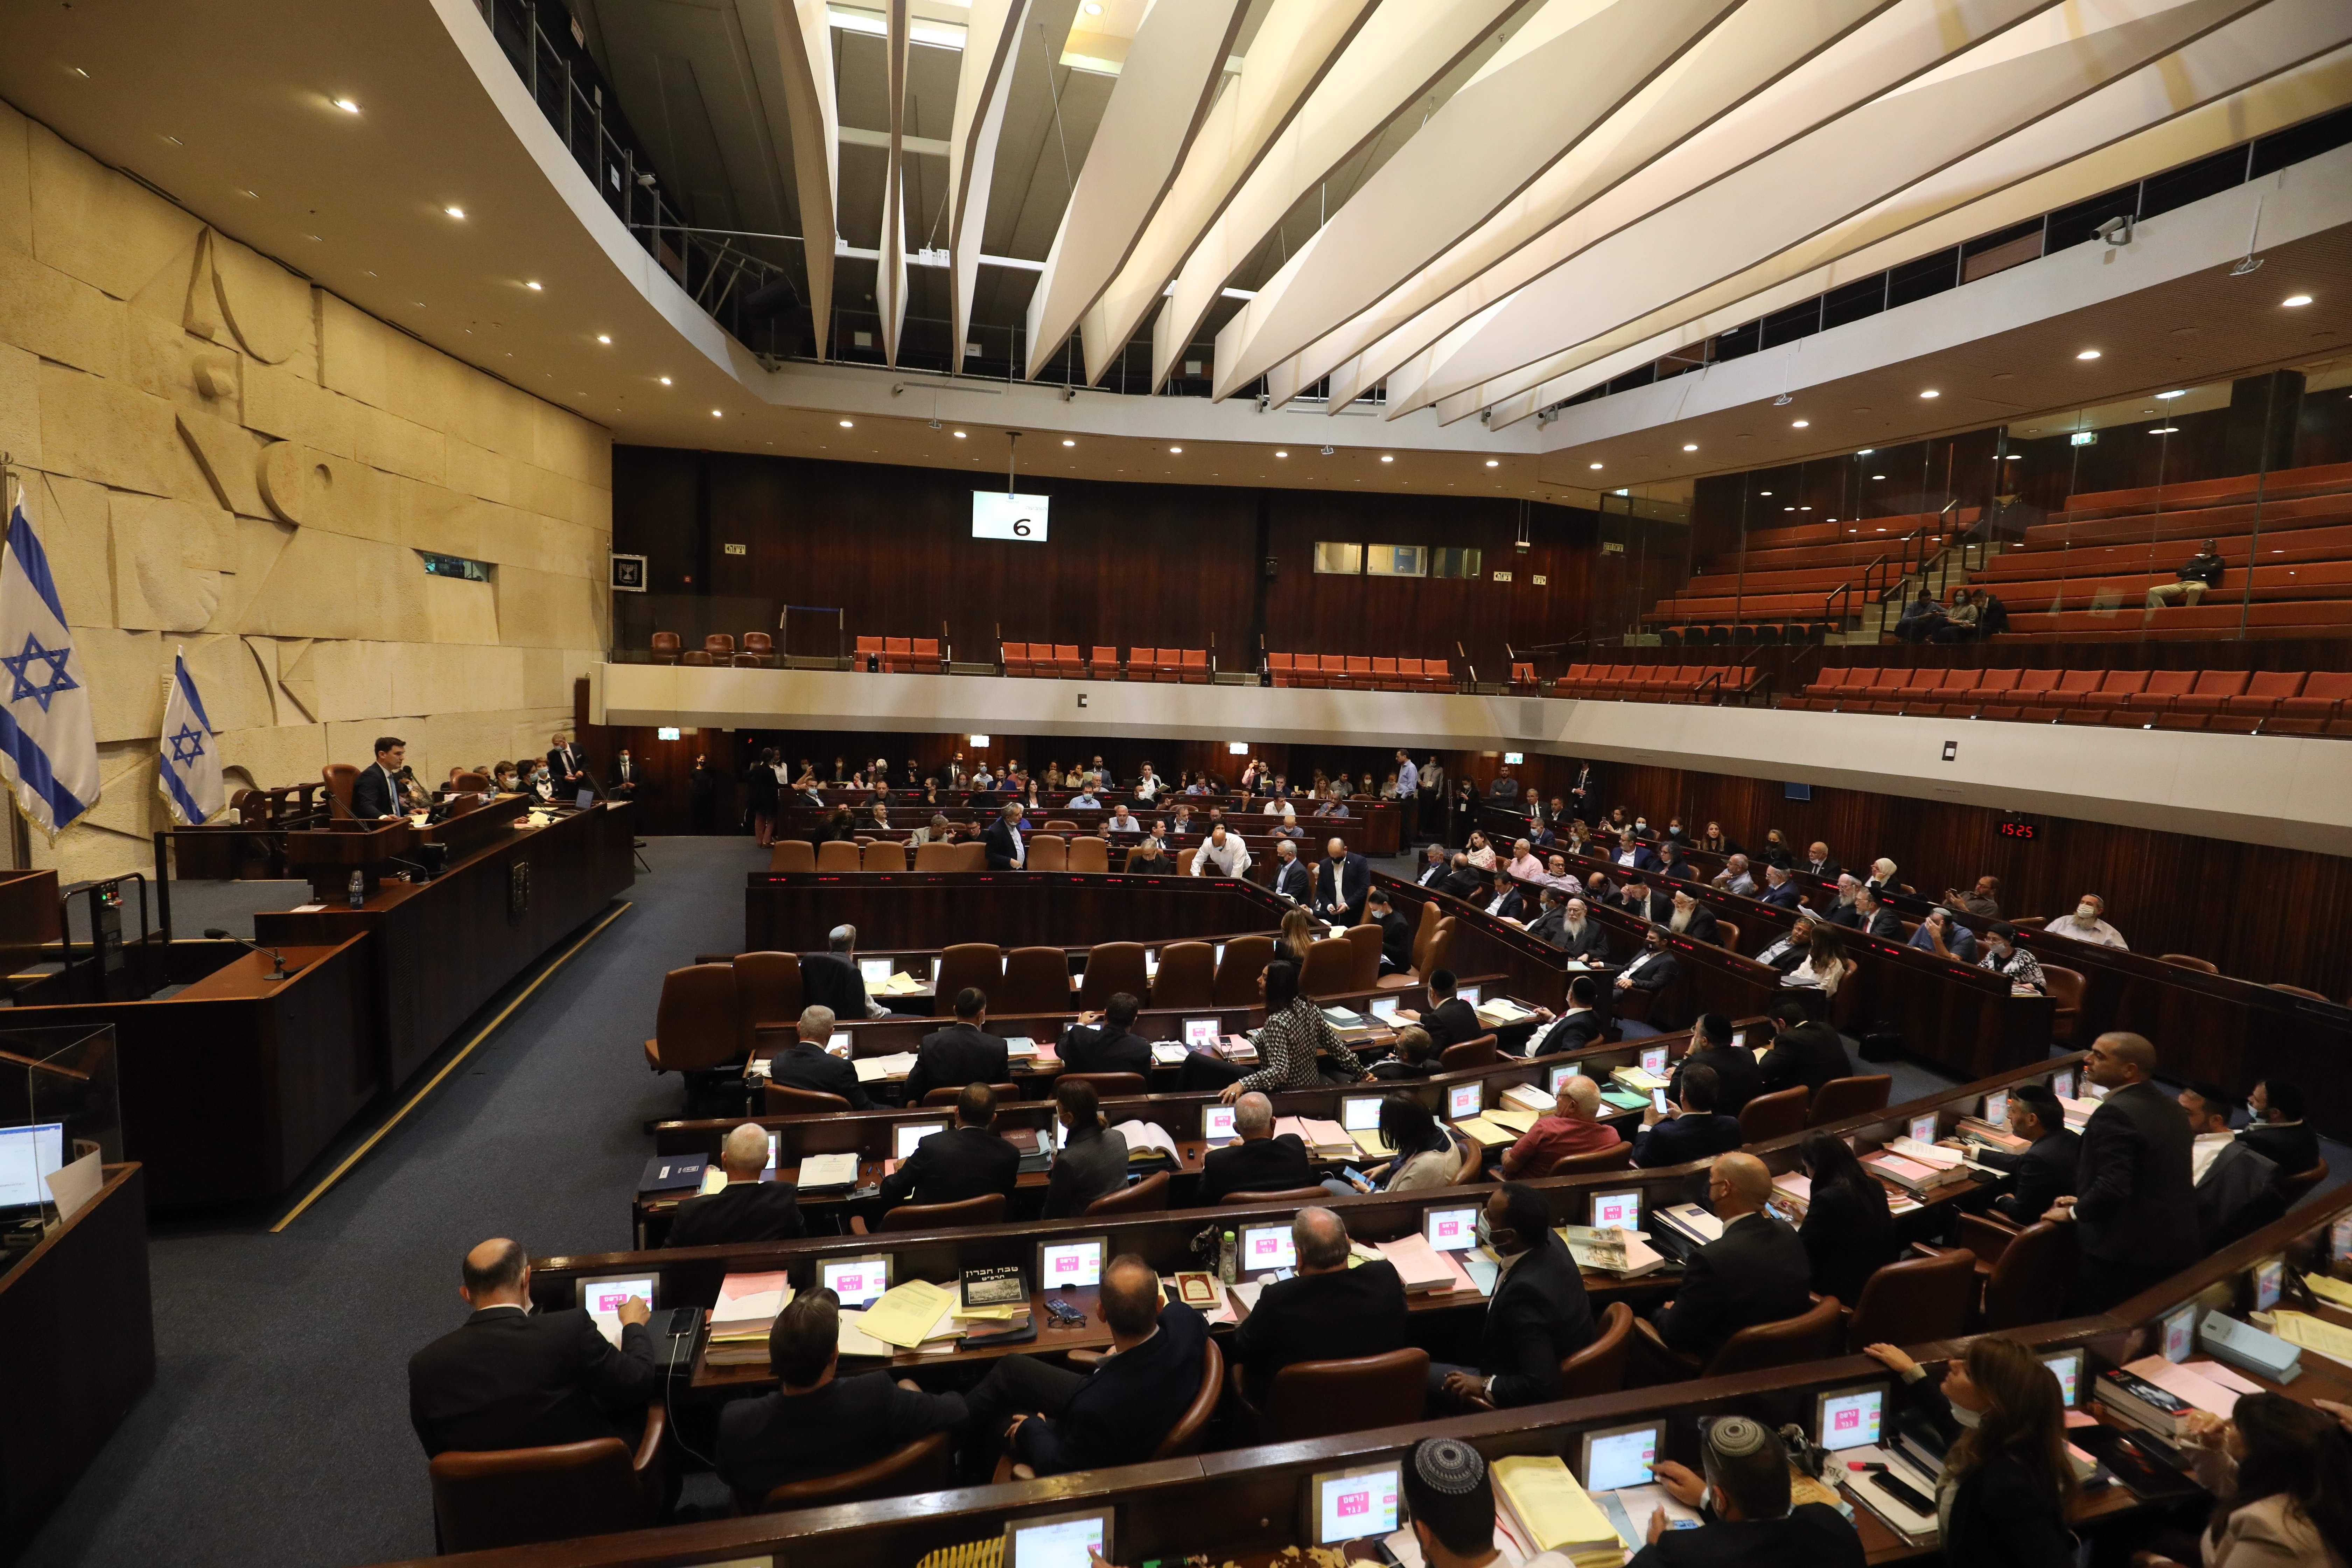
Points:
(1270, 573)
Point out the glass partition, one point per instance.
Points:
(59, 1101)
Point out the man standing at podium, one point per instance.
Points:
(570, 768)
(376, 794)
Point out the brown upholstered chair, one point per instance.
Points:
(1845, 1096)
(1036, 980)
(975, 856)
(1774, 1115)
(2190, 961)
(969, 963)
(2030, 1281)
(1727, 934)
(1089, 853)
(1187, 976)
(695, 1028)
(2295, 991)
(949, 1093)
(471, 783)
(767, 993)
(696, 657)
(883, 855)
(1464, 1055)
(1600, 1367)
(788, 855)
(1329, 968)
(1311, 1399)
(1046, 852)
(1244, 959)
(2066, 995)
(1474, 1164)
(1914, 1299)
(757, 647)
(833, 855)
(937, 857)
(521, 1496)
(925, 1465)
(1112, 967)
(986, 1209)
(1184, 1438)
(785, 1101)
(1812, 1335)
(341, 779)
(1287, 1196)
(1059, 824)
(665, 647)
(720, 647)
(2301, 1185)
(1106, 1085)
(1366, 940)
(1618, 1156)
(1148, 1196)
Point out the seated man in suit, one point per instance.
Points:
(1342, 879)
(1737, 1077)
(1577, 1028)
(2278, 1128)
(964, 1052)
(1630, 852)
(1107, 1041)
(746, 1208)
(808, 1065)
(1843, 912)
(1293, 879)
(1692, 918)
(832, 978)
(1756, 1271)
(622, 785)
(1654, 968)
(1435, 866)
(1746, 1520)
(1537, 1316)
(1804, 1049)
(512, 1379)
(2235, 1182)
(1574, 1126)
(1449, 1020)
(1735, 877)
(1261, 1161)
(1499, 896)
(1054, 1420)
(1551, 913)
(1942, 932)
(1692, 1127)
(1779, 889)
(1818, 865)
(2045, 1168)
(1415, 1055)
(1092, 1161)
(1008, 850)
(1874, 919)
(967, 1161)
(1462, 879)
(375, 793)
(1581, 938)
(1396, 932)
(1327, 1311)
(818, 1424)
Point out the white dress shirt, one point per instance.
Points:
(2204, 1151)
(1232, 861)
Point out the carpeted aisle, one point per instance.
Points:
(278, 1430)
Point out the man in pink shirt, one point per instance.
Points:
(1574, 1126)
(1524, 864)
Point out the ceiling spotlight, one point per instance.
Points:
(1878, 476)
(1931, 392)
(1282, 454)
(1386, 459)
(1596, 466)
(665, 380)
(1763, 492)
(934, 424)
(2292, 301)
(1799, 424)
(455, 211)
(847, 425)
(85, 75)
(1783, 401)
(606, 340)
(1066, 442)
(958, 435)
(533, 286)
(1092, 7)
(1494, 462)
(345, 104)
(2166, 430)
(1178, 450)
(2088, 353)
(2161, 396)
(1690, 446)
(716, 415)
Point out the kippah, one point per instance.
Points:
(1449, 1465)
(1735, 1436)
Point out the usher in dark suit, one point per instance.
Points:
(508, 1379)
(2135, 1196)
(1451, 1022)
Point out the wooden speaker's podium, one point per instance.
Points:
(328, 855)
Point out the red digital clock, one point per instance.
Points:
(2015, 826)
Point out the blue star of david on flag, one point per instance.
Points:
(187, 744)
(54, 658)
(188, 772)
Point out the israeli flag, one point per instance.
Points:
(188, 773)
(48, 747)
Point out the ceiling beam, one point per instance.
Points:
(890, 277)
(983, 89)
(805, 56)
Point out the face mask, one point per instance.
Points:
(1963, 1415)
(2087, 914)
(1640, 823)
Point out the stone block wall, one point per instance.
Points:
(223, 459)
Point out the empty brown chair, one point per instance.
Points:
(833, 855)
(1106, 1085)
(883, 855)
(986, 1209)
(1089, 854)
(1329, 968)
(1600, 1367)
(1309, 1399)
(665, 647)
(695, 1027)
(1474, 1161)
(2031, 1279)
(1727, 934)
(974, 856)
(695, 657)
(1036, 980)
(720, 647)
(1148, 1196)
(2295, 991)
(1112, 967)
(1618, 1156)
(1914, 1299)
(1844, 1097)
(2066, 998)
(521, 1496)
(1287, 1196)
(787, 855)
(1187, 976)
(782, 1100)
(2190, 961)
(1244, 960)
(949, 1093)
(937, 857)
(471, 783)
(969, 963)
(341, 778)
(1775, 1115)
(767, 993)
(1046, 852)
(1464, 1055)
(925, 1465)
(757, 647)
(1055, 825)
(1366, 940)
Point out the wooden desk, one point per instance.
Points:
(78, 1322)
(793, 912)
(445, 947)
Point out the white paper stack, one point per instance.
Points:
(874, 1069)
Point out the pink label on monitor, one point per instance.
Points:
(611, 1300)
(1065, 1264)
(848, 1282)
(1263, 1247)
(1449, 1228)
(1354, 1503)
(1846, 1420)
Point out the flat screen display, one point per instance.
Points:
(2068, 1370)
(1620, 1457)
(1201, 1034)
(996, 515)
(1559, 1076)
(1361, 1113)
(1622, 1210)
(858, 1281)
(1070, 1265)
(1469, 993)
(1464, 1099)
(1217, 1124)
(1451, 1230)
(905, 1136)
(1922, 1128)
(603, 1297)
(2062, 1084)
(28, 1156)
(1654, 1062)
(1996, 1107)
(1355, 1504)
(1849, 1418)
(1384, 1008)
(875, 970)
(1266, 1247)
(1065, 1540)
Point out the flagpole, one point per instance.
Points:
(20, 827)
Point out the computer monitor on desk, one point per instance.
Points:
(2068, 1368)
(858, 1281)
(1071, 1265)
(1217, 1126)
(875, 970)
(1361, 1113)
(1058, 1541)
(1849, 1418)
(1267, 1248)
(1616, 1457)
(587, 798)
(604, 1294)
(907, 1135)
(28, 1156)
(1463, 1100)
(1355, 1505)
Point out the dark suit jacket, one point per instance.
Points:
(1452, 1022)
(614, 780)
(953, 1056)
(829, 980)
(1755, 1272)
(849, 1422)
(1810, 1535)
(508, 1380)
(374, 793)
(2292, 1146)
(1088, 1166)
(951, 1166)
(1701, 927)
(2044, 1172)
(1885, 924)
(1847, 1238)
(1738, 1078)
(1657, 974)
(1129, 1402)
(1569, 1032)
(1784, 897)
(810, 1066)
(1090, 1048)
(1651, 905)
(569, 774)
(1680, 1138)
(1340, 891)
(1539, 1318)
(2133, 1184)
(1321, 1317)
(1827, 871)
(999, 839)
(1396, 941)
(1812, 1054)
(1431, 876)
(2237, 1195)
(1277, 1165)
(1294, 880)
(738, 1212)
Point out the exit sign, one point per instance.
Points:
(737, 550)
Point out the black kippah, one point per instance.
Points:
(1449, 1465)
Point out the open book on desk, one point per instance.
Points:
(877, 1070)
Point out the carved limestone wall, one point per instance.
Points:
(222, 457)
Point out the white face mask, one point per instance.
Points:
(1964, 1415)
(2087, 914)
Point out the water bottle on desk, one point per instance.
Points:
(359, 889)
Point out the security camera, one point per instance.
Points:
(647, 181)
(1070, 392)
(2116, 230)
(897, 387)
(1328, 450)
(935, 424)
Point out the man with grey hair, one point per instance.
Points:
(1260, 1163)
(1325, 1311)
(832, 977)
(748, 1209)
(809, 1065)
(1743, 1505)
(1734, 877)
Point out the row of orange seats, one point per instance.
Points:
(1187, 666)
(1358, 672)
(1655, 682)
(901, 656)
(2240, 701)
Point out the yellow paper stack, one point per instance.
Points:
(906, 1315)
(1554, 1512)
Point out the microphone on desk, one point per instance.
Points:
(426, 871)
(276, 958)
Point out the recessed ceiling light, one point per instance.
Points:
(175, 141)
(1386, 459)
(2162, 395)
(715, 413)
(2166, 430)
(2292, 301)
(1092, 7)
(1799, 424)
(455, 211)
(1177, 449)
(1878, 476)
(1596, 466)
(847, 424)
(256, 197)
(345, 104)
(602, 338)
(1763, 492)
(1494, 462)
(2088, 353)
(1690, 446)
(2013, 457)
(1931, 392)
(533, 286)
(85, 75)
(1282, 454)
(1066, 442)
(665, 380)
